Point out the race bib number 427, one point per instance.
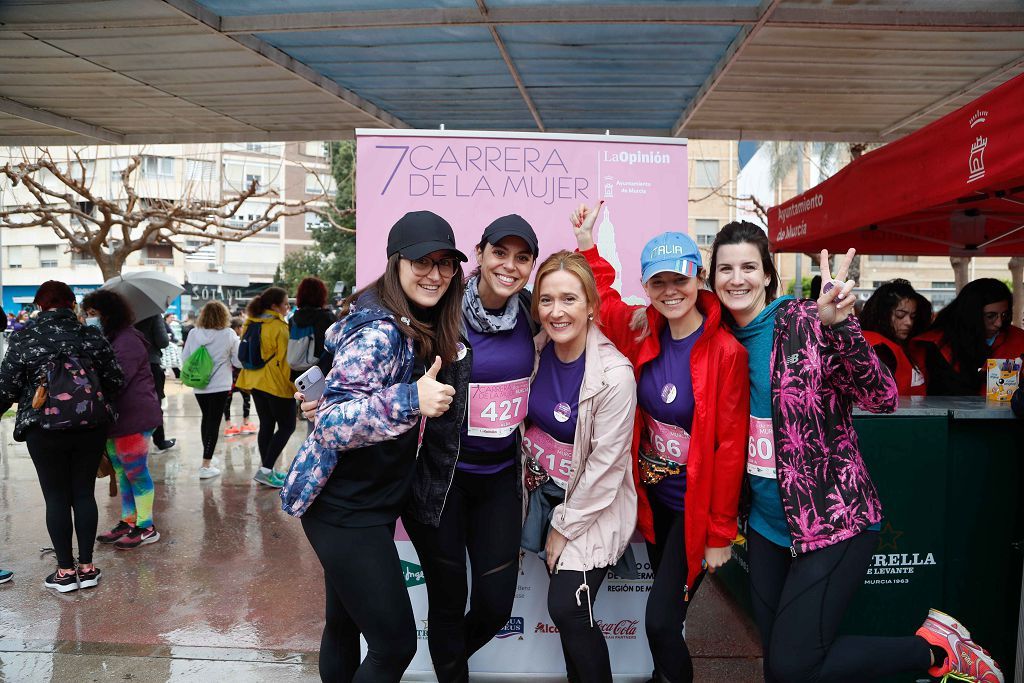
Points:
(495, 410)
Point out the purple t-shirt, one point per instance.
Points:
(668, 376)
(497, 357)
(556, 387)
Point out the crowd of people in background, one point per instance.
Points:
(490, 419)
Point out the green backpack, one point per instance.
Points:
(197, 369)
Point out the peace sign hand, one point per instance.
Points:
(583, 220)
(835, 303)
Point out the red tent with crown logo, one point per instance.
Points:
(952, 188)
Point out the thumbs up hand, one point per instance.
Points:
(435, 397)
(583, 220)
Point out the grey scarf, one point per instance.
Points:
(477, 316)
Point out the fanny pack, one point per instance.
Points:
(653, 469)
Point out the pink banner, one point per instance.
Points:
(472, 178)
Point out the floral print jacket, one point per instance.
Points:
(368, 399)
(818, 374)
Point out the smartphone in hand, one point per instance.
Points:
(311, 383)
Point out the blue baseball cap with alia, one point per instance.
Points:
(671, 252)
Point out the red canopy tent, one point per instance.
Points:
(953, 188)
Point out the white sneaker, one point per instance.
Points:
(208, 472)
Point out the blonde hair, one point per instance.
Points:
(213, 316)
(576, 264)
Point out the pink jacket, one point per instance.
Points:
(599, 513)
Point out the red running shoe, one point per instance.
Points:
(965, 659)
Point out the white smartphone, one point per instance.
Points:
(311, 383)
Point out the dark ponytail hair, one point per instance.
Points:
(877, 313)
(962, 323)
(271, 296)
(435, 331)
(739, 232)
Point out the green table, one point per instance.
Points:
(948, 470)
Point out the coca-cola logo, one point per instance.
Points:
(623, 629)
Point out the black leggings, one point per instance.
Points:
(159, 379)
(583, 646)
(366, 595)
(66, 463)
(799, 605)
(666, 604)
(211, 406)
(483, 517)
(277, 422)
(245, 404)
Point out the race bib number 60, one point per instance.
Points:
(495, 410)
(761, 448)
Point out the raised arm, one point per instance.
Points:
(852, 366)
(616, 315)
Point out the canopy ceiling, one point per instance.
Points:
(148, 71)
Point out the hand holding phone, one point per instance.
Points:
(311, 384)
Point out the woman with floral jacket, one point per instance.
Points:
(815, 513)
(353, 475)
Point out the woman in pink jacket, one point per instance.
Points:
(582, 506)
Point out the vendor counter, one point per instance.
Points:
(949, 472)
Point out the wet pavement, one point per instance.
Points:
(231, 592)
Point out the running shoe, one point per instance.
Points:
(277, 479)
(231, 430)
(208, 472)
(91, 578)
(138, 536)
(964, 657)
(116, 533)
(62, 583)
(6, 575)
(166, 445)
(262, 477)
(249, 428)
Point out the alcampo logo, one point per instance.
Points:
(515, 626)
(624, 629)
(413, 574)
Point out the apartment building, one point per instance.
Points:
(222, 270)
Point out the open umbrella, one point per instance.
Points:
(148, 292)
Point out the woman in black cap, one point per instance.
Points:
(352, 477)
(470, 476)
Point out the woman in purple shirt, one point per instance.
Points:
(482, 513)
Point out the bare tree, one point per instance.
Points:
(110, 229)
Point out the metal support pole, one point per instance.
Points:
(798, 283)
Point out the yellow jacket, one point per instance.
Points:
(275, 377)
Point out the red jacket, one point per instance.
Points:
(904, 374)
(718, 442)
(1008, 344)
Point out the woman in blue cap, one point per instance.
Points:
(686, 365)
(471, 501)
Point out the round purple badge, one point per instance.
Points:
(563, 412)
(668, 393)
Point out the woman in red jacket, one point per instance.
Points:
(893, 316)
(690, 431)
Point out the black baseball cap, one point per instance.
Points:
(512, 225)
(419, 233)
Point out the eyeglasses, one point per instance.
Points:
(445, 266)
(994, 316)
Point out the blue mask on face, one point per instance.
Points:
(93, 320)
